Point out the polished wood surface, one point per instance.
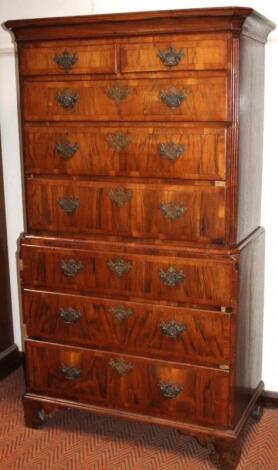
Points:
(204, 99)
(142, 267)
(139, 210)
(200, 284)
(201, 396)
(141, 151)
(196, 336)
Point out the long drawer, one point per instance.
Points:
(172, 152)
(198, 98)
(174, 212)
(198, 280)
(193, 394)
(159, 331)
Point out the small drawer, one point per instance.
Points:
(137, 210)
(172, 152)
(174, 53)
(158, 331)
(68, 59)
(196, 98)
(202, 279)
(140, 385)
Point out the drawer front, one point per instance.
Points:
(174, 53)
(127, 151)
(195, 280)
(68, 59)
(171, 212)
(171, 333)
(194, 99)
(187, 393)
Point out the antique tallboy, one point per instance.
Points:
(142, 264)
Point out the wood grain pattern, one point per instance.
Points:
(140, 215)
(205, 339)
(203, 155)
(201, 399)
(199, 53)
(205, 99)
(91, 58)
(202, 281)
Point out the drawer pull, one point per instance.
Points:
(172, 98)
(66, 150)
(67, 100)
(171, 210)
(117, 93)
(120, 196)
(170, 58)
(171, 277)
(172, 329)
(69, 204)
(120, 366)
(69, 315)
(170, 151)
(119, 266)
(120, 313)
(66, 60)
(70, 372)
(169, 390)
(118, 141)
(70, 267)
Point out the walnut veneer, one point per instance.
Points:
(142, 264)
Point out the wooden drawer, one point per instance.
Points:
(195, 99)
(198, 280)
(159, 331)
(180, 152)
(188, 212)
(68, 58)
(194, 394)
(190, 52)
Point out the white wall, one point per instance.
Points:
(10, 141)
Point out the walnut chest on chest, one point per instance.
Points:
(142, 262)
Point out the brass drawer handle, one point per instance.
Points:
(65, 60)
(69, 315)
(171, 277)
(70, 267)
(120, 313)
(66, 150)
(170, 58)
(171, 210)
(169, 390)
(172, 98)
(119, 266)
(120, 366)
(67, 99)
(120, 196)
(69, 204)
(118, 141)
(117, 93)
(70, 372)
(170, 151)
(172, 329)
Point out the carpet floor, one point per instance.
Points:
(73, 440)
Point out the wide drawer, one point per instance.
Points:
(187, 212)
(188, 393)
(174, 99)
(69, 58)
(180, 152)
(190, 52)
(171, 333)
(198, 280)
